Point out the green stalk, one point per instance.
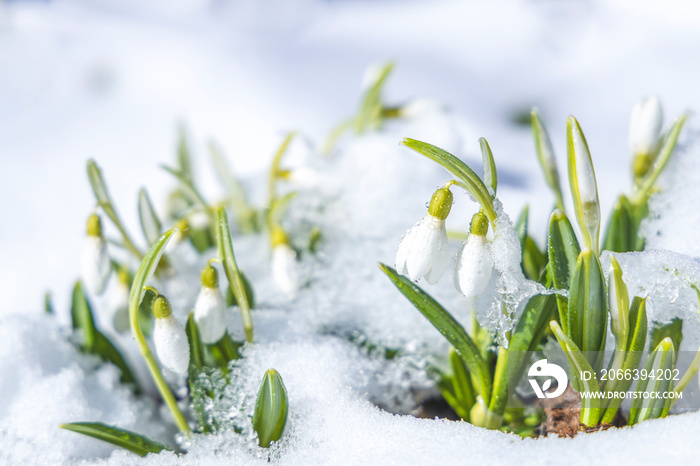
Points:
(146, 269)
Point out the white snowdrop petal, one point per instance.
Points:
(402, 253)
(440, 260)
(284, 269)
(210, 315)
(645, 126)
(96, 264)
(424, 244)
(171, 343)
(474, 266)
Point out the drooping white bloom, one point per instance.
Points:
(118, 305)
(210, 309)
(172, 347)
(645, 126)
(423, 251)
(96, 264)
(419, 107)
(474, 266)
(285, 268)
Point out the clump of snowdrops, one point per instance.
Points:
(185, 355)
(573, 303)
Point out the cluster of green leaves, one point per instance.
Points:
(575, 310)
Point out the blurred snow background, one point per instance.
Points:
(111, 80)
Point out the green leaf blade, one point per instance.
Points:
(447, 326)
(122, 438)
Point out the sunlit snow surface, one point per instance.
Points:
(364, 199)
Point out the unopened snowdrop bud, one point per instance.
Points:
(474, 265)
(584, 189)
(285, 270)
(210, 309)
(645, 131)
(169, 337)
(423, 251)
(96, 263)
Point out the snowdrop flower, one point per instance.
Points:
(645, 129)
(420, 107)
(284, 262)
(119, 301)
(96, 264)
(210, 309)
(474, 264)
(169, 337)
(423, 250)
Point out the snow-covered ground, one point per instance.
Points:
(110, 81)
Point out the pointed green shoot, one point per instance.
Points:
(669, 144)
(590, 407)
(545, 154)
(587, 317)
(369, 115)
(621, 234)
(99, 188)
(271, 409)
(233, 274)
(563, 251)
(150, 224)
(654, 406)
(632, 357)
(584, 189)
(490, 176)
(122, 438)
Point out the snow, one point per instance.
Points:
(110, 79)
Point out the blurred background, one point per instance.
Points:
(111, 80)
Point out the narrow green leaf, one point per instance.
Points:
(662, 159)
(369, 115)
(184, 160)
(462, 385)
(271, 409)
(48, 304)
(470, 180)
(590, 407)
(490, 175)
(99, 188)
(448, 327)
(233, 274)
(150, 225)
(563, 251)
(249, 293)
(654, 406)
(528, 333)
(545, 154)
(633, 356)
(521, 225)
(122, 438)
(621, 234)
(82, 317)
(673, 330)
(588, 307)
(196, 350)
